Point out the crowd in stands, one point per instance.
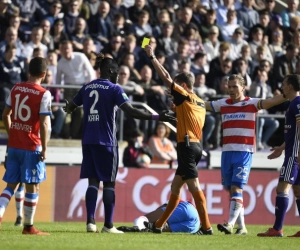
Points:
(210, 38)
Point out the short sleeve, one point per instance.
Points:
(120, 96)
(45, 107)
(216, 105)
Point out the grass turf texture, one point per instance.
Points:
(73, 236)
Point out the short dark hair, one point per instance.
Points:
(186, 78)
(293, 80)
(37, 66)
(9, 47)
(106, 64)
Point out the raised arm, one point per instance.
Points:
(269, 103)
(161, 71)
(208, 106)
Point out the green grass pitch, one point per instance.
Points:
(73, 236)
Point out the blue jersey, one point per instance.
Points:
(100, 99)
(292, 115)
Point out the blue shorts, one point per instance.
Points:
(289, 171)
(24, 166)
(184, 219)
(99, 162)
(235, 168)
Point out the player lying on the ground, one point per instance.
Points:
(184, 219)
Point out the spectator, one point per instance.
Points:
(54, 12)
(266, 125)
(88, 47)
(117, 8)
(93, 6)
(58, 33)
(191, 34)
(242, 71)
(162, 149)
(237, 42)
(120, 26)
(129, 61)
(35, 42)
(14, 22)
(185, 19)
(4, 17)
(285, 64)
(78, 35)
(47, 38)
(100, 25)
(270, 6)
(163, 17)
(71, 16)
(11, 37)
(130, 45)
(58, 115)
(199, 64)
(181, 54)
(211, 46)
(75, 69)
(207, 24)
(31, 13)
(289, 31)
(11, 70)
(246, 55)
(247, 16)
(129, 87)
(276, 47)
(37, 52)
(52, 59)
(257, 41)
(216, 80)
(215, 64)
(154, 94)
(229, 27)
(165, 42)
(136, 148)
(198, 11)
(264, 24)
(138, 6)
(142, 28)
(289, 12)
(222, 12)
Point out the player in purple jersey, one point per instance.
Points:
(101, 99)
(289, 173)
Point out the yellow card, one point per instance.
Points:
(145, 42)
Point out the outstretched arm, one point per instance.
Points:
(161, 71)
(138, 114)
(269, 103)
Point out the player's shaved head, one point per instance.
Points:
(37, 66)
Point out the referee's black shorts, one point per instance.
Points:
(188, 158)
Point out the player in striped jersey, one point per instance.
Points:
(289, 173)
(238, 126)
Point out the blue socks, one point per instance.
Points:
(109, 205)
(281, 204)
(91, 196)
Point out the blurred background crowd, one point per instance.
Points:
(210, 38)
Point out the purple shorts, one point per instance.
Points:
(289, 171)
(99, 162)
